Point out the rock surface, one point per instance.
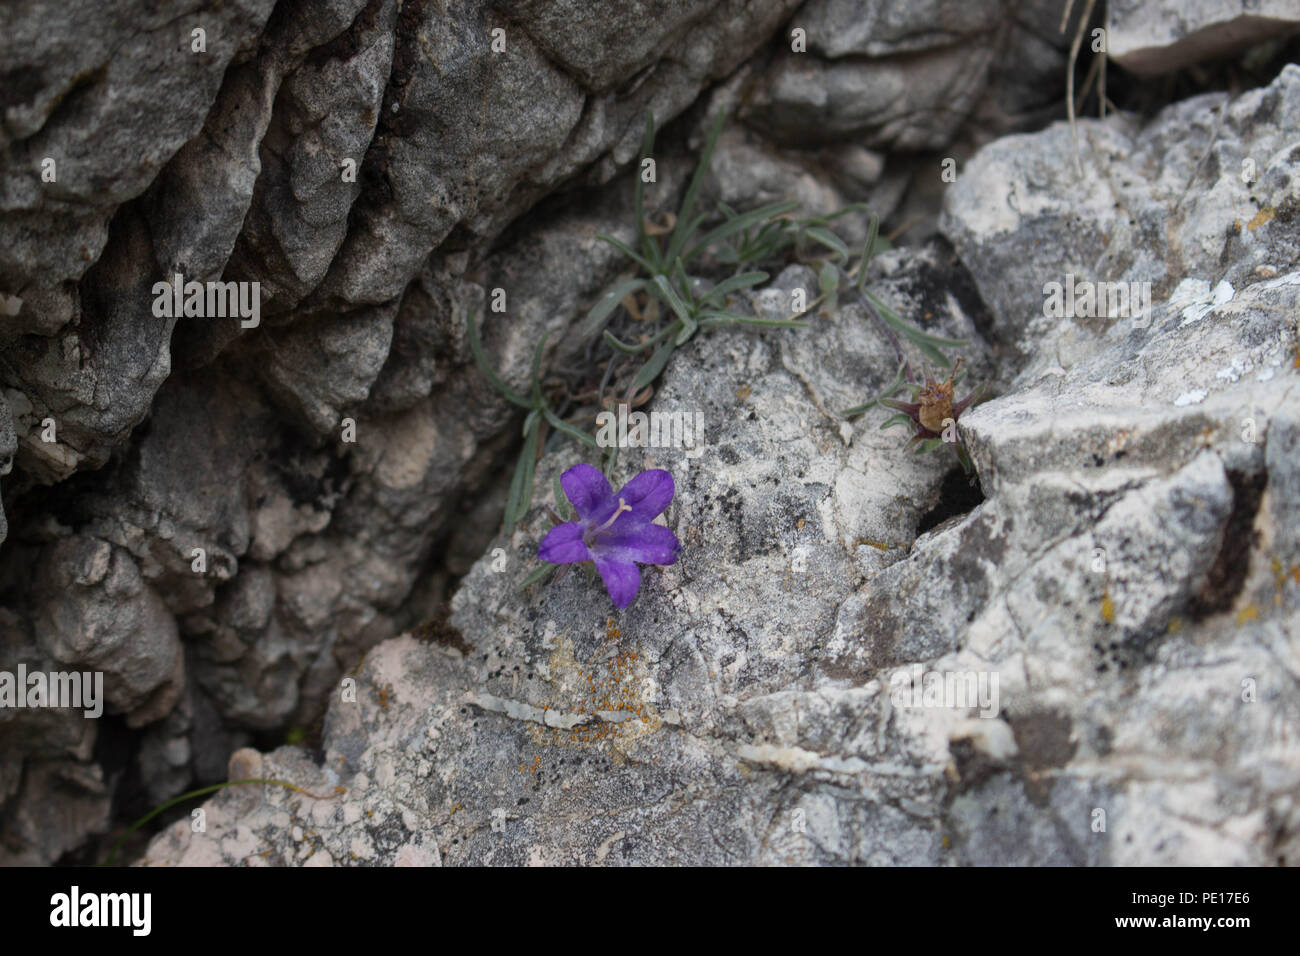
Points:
(226, 520)
(1167, 35)
(360, 162)
(1131, 580)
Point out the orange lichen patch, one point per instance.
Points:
(742, 393)
(1281, 573)
(383, 696)
(798, 525)
(1247, 613)
(1175, 625)
(611, 690)
(1265, 215)
(878, 545)
(1107, 608)
(536, 766)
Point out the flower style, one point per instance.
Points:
(615, 532)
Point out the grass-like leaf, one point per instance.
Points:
(627, 250)
(718, 294)
(560, 425)
(537, 574)
(476, 349)
(711, 319)
(868, 250)
(739, 224)
(647, 147)
(618, 345)
(664, 289)
(606, 304)
(680, 232)
(651, 369)
(562, 507)
(828, 239)
(521, 485)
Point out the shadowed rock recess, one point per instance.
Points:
(289, 530)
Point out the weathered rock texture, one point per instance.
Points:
(224, 519)
(1132, 578)
(200, 512)
(1157, 37)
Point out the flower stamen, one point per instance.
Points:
(622, 506)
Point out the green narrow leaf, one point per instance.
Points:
(530, 422)
(521, 484)
(651, 369)
(738, 224)
(476, 349)
(618, 345)
(743, 280)
(606, 304)
(912, 332)
(868, 250)
(928, 444)
(530, 462)
(712, 319)
(934, 354)
(670, 297)
(537, 575)
(647, 147)
(628, 251)
(534, 372)
(679, 236)
(892, 420)
(512, 499)
(829, 278)
(679, 240)
(562, 507)
(561, 425)
(829, 240)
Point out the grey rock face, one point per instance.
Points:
(357, 161)
(89, 86)
(1129, 582)
(230, 521)
(1205, 194)
(1164, 36)
(909, 76)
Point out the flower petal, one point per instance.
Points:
(563, 544)
(587, 488)
(622, 580)
(648, 494)
(649, 544)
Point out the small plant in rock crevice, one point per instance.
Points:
(684, 281)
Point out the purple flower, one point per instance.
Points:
(614, 531)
